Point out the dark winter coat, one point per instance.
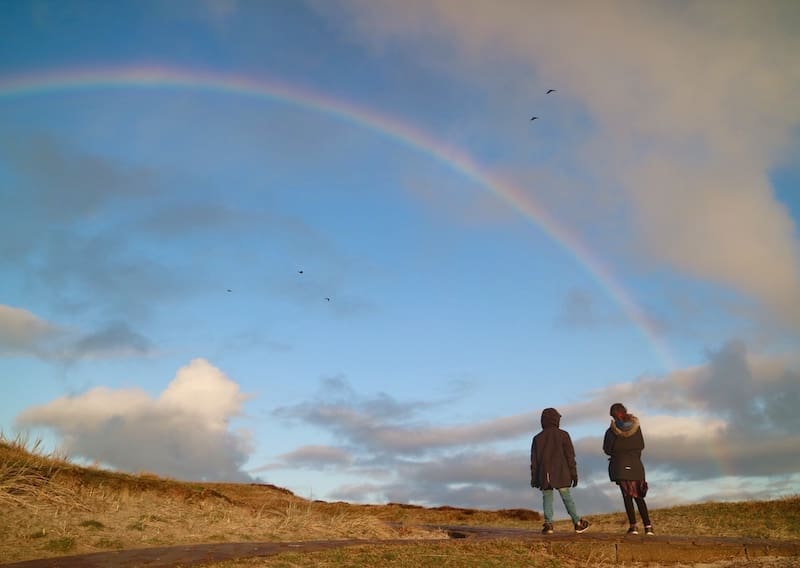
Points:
(552, 455)
(624, 445)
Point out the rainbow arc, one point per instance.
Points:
(161, 77)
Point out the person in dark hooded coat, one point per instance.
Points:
(553, 467)
(623, 443)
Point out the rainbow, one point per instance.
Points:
(160, 77)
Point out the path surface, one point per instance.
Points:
(611, 548)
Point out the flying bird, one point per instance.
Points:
(534, 117)
(550, 91)
(229, 290)
(327, 299)
(299, 271)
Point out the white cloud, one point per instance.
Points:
(184, 433)
(687, 427)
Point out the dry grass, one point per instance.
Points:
(51, 507)
(775, 519)
(453, 554)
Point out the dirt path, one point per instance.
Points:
(612, 548)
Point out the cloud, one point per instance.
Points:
(72, 233)
(22, 333)
(64, 184)
(686, 110)
(183, 433)
(382, 424)
(115, 339)
(733, 416)
(580, 309)
(314, 457)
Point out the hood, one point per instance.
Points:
(629, 429)
(550, 417)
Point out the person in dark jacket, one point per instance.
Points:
(553, 467)
(623, 443)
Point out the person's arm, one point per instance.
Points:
(534, 465)
(608, 442)
(569, 454)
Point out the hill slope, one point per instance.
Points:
(52, 507)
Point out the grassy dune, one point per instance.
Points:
(51, 507)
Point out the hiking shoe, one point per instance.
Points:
(581, 526)
(648, 530)
(547, 528)
(633, 530)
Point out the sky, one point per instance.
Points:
(324, 244)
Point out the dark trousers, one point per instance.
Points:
(640, 504)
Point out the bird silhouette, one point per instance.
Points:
(229, 290)
(534, 117)
(327, 299)
(299, 271)
(550, 91)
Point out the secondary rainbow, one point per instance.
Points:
(160, 77)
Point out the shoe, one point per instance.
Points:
(633, 530)
(547, 528)
(581, 526)
(648, 530)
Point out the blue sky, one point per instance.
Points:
(455, 281)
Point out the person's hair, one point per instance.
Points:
(618, 408)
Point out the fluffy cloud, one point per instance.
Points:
(184, 433)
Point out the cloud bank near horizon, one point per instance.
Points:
(731, 416)
(747, 428)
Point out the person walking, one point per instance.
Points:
(553, 467)
(623, 443)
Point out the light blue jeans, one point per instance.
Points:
(566, 497)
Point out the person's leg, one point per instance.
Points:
(569, 503)
(547, 505)
(628, 500)
(642, 506)
(580, 524)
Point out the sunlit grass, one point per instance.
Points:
(489, 554)
(52, 507)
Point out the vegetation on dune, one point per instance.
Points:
(487, 554)
(53, 507)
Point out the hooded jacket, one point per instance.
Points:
(624, 443)
(552, 454)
